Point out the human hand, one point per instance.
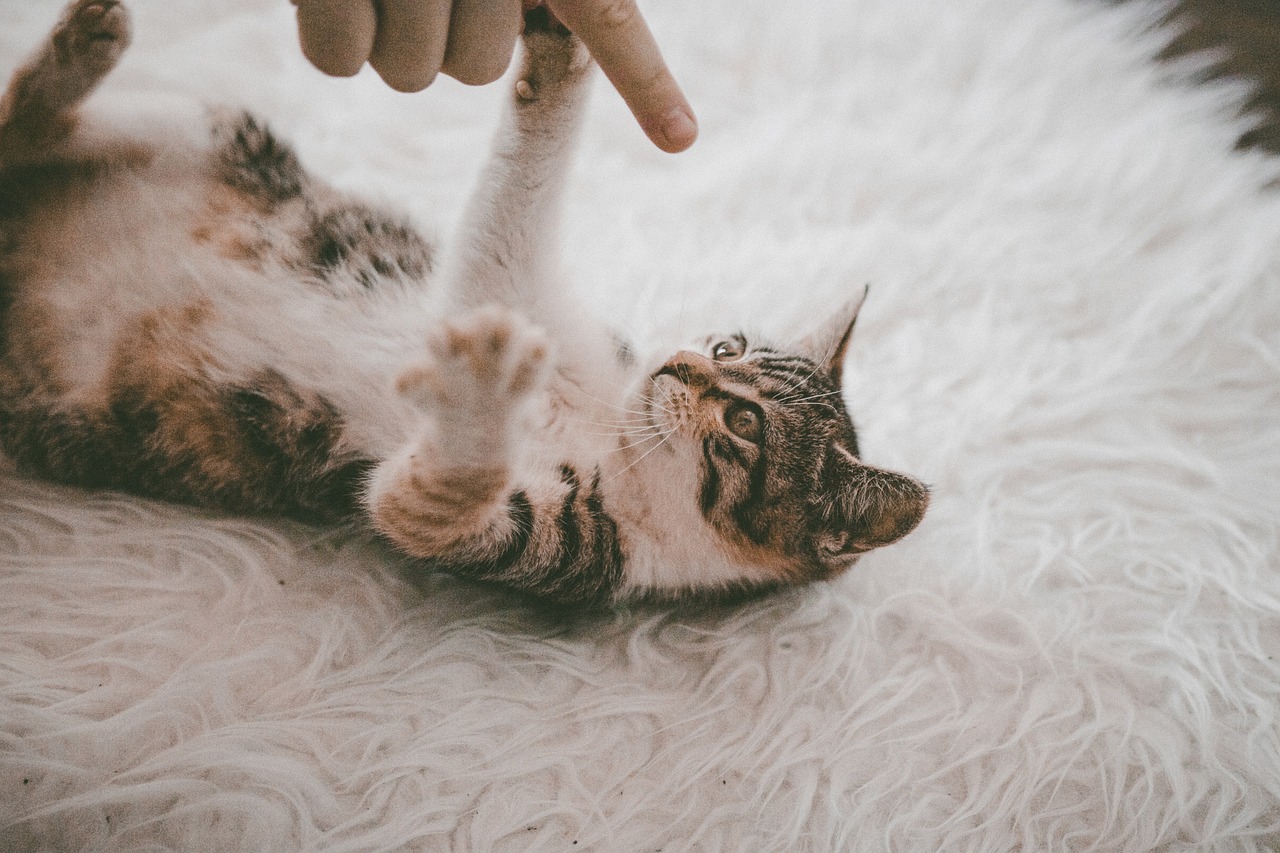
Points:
(408, 42)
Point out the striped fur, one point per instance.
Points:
(194, 317)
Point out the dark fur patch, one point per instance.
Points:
(521, 513)
(622, 351)
(6, 305)
(27, 187)
(255, 162)
(359, 244)
(752, 512)
(291, 440)
(540, 19)
(709, 493)
(579, 563)
(259, 447)
(77, 448)
(765, 498)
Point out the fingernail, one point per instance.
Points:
(679, 129)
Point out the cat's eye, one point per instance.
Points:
(745, 420)
(730, 350)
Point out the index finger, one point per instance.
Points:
(617, 36)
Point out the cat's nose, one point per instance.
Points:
(696, 371)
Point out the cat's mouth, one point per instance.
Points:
(668, 400)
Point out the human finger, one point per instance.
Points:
(482, 38)
(337, 35)
(617, 36)
(409, 46)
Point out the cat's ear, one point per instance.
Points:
(867, 507)
(828, 344)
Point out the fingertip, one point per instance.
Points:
(470, 75)
(482, 40)
(615, 33)
(333, 66)
(678, 130)
(673, 131)
(404, 69)
(336, 40)
(404, 80)
(409, 48)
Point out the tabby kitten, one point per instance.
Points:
(189, 315)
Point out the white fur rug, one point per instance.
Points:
(1073, 334)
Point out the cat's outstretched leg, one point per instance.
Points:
(507, 248)
(39, 107)
(464, 497)
(448, 494)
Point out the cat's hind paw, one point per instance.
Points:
(91, 35)
(483, 364)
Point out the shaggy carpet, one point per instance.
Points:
(1073, 335)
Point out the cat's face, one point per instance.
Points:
(778, 476)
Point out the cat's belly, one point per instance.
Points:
(152, 275)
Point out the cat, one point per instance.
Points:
(187, 314)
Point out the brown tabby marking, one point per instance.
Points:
(361, 245)
(437, 506)
(524, 446)
(262, 443)
(155, 370)
(254, 161)
(164, 431)
(568, 551)
(228, 225)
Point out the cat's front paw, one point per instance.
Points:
(92, 33)
(485, 364)
(552, 57)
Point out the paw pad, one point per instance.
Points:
(486, 359)
(97, 30)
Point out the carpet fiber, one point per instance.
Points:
(1073, 335)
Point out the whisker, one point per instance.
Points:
(624, 433)
(658, 435)
(637, 420)
(798, 381)
(797, 400)
(642, 457)
(614, 406)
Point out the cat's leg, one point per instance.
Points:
(38, 109)
(447, 492)
(507, 247)
(464, 497)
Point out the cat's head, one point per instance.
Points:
(778, 474)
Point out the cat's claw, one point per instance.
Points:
(93, 32)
